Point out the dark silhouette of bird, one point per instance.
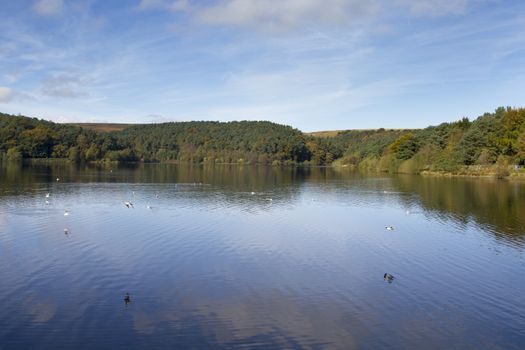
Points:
(127, 299)
(388, 277)
(129, 204)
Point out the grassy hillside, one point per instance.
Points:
(103, 127)
(328, 133)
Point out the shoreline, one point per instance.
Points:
(476, 171)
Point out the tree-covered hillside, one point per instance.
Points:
(245, 141)
(234, 142)
(494, 139)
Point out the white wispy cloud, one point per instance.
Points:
(174, 6)
(436, 7)
(12, 77)
(284, 15)
(278, 16)
(6, 94)
(67, 86)
(48, 7)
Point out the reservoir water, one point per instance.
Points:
(259, 258)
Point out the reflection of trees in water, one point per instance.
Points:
(493, 203)
(241, 177)
(497, 204)
(236, 183)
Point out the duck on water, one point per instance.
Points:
(388, 277)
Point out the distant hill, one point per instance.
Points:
(250, 142)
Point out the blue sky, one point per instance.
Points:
(313, 64)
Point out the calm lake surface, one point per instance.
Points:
(258, 257)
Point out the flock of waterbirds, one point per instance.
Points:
(128, 204)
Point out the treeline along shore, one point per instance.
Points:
(493, 144)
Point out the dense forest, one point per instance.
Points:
(233, 142)
(494, 140)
